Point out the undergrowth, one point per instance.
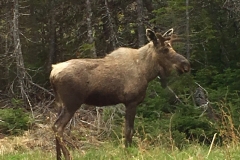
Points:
(166, 127)
(14, 121)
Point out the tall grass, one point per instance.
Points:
(110, 151)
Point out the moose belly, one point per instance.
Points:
(104, 99)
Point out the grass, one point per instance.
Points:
(110, 151)
(28, 155)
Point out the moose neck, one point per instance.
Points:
(148, 61)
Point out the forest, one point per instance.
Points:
(201, 107)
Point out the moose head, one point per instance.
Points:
(167, 58)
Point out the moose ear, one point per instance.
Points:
(151, 36)
(168, 33)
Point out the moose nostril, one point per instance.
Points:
(186, 66)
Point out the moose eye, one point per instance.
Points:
(165, 50)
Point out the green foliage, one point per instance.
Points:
(227, 79)
(223, 89)
(171, 12)
(215, 79)
(16, 102)
(159, 100)
(188, 123)
(86, 50)
(14, 121)
(206, 75)
(155, 101)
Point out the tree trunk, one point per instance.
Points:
(187, 30)
(21, 73)
(141, 33)
(8, 45)
(113, 38)
(52, 40)
(90, 28)
(106, 36)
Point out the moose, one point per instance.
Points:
(120, 77)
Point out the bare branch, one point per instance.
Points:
(41, 88)
(170, 89)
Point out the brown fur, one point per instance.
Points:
(120, 77)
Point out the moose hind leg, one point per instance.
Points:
(58, 148)
(129, 124)
(58, 128)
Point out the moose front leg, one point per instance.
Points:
(129, 124)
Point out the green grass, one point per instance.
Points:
(116, 152)
(28, 155)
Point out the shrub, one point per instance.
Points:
(14, 121)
